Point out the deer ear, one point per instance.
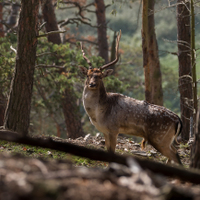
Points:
(83, 70)
(107, 73)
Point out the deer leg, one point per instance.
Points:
(173, 156)
(110, 140)
(166, 147)
(107, 141)
(175, 151)
(143, 144)
(171, 153)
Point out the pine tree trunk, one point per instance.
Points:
(145, 45)
(68, 100)
(195, 150)
(2, 107)
(185, 77)
(2, 98)
(51, 22)
(12, 21)
(1, 19)
(151, 64)
(17, 115)
(102, 36)
(72, 114)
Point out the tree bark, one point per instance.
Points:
(2, 107)
(102, 36)
(1, 19)
(184, 58)
(68, 100)
(12, 21)
(17, 115)
(2, 98)
(51, 22)
(72, 114)
(195, 151)
(151, 64)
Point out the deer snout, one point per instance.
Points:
(92, 85)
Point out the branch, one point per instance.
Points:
(74, 21)
(80, 40)
(42, 25)
(13, 49)
(45, 53)
(49, 66)
(49, 33)
(172, 53)
(77, 5)
(5, 24)
(8, 3)
(190, 175)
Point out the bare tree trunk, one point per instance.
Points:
(12, 21)
(151, 64)
(185, 77)
(68, 100)
(1, 19)
(17, 115)
(113, 51)
(51, 22)
(102, 36)
(195, 151)
(2, 107)
(72, 114)
(2, 98)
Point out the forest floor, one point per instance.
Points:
(28, 172)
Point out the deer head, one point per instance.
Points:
(95, 75)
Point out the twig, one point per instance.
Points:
(49, 33)
(13, 49)
(75, 21)
(49, 66)
(45, 53)
(80, 40)
(42, 25)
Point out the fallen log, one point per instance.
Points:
(188, 175)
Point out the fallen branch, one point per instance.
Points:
(189, 175)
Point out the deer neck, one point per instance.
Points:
(94, 99)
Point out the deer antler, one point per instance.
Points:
(116, 53)
(88, 61)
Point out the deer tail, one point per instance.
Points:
(178, 131)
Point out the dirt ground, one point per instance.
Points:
(32, 178)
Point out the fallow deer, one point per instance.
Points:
(113, 113)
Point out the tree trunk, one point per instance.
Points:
(185, 77)
(17, 115)
(1, 19)
(51, 22)
(68, 100)
(72, 114)
(12, 21)
(102, 36)
(151, 64)
(195, 151)
(113, 50)
(2, 107)
(2, 98)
